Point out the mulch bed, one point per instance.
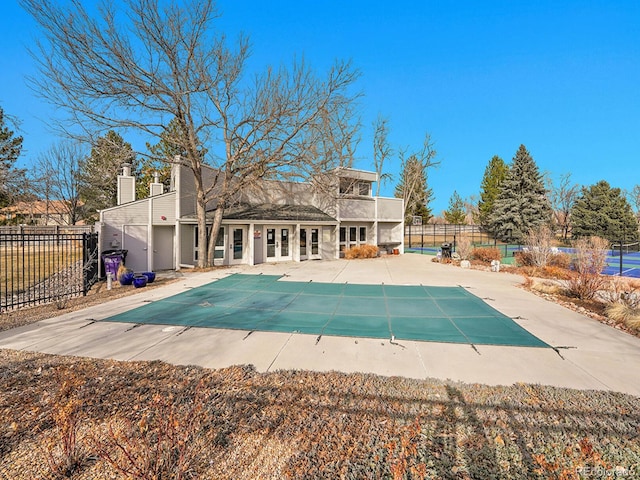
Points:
(191, 422)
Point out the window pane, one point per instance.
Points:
(353, 234)
(363, 234)
(314, 241)
(363, 189)
(220, 239)
(343, 234)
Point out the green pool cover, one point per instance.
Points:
(263, 303)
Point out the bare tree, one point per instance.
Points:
(381, 150)
(56, 179)
(563, 196)
(160, 63)
(634, 199)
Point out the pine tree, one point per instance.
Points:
(98, 173)
(494, 175)
(413, 188)
(456, 213)
(522, 203)
(603, 211)
(161, 155)
(10, 148)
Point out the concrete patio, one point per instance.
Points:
(588, 354)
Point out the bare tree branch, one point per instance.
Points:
(161, 64)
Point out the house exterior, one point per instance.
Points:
(38, 212)
(273, 222)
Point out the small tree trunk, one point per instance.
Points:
(215, 228)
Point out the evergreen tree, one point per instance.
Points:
(456, 213)
(413, 188)
(522, 203)
(161, 156)
(603, 211)
(98, 173)
(10, 148)
(494, 175)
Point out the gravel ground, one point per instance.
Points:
(70, 417)
(85, 419)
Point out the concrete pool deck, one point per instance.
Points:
(589, 355)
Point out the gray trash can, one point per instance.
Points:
(446, 250)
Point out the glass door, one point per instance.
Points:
(284, 242)
(271, 243)
(237, 244)
(278, 245)
(303, 244)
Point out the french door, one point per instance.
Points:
(278, 244)
(309, 243)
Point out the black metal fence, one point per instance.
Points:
(40, 268)
(434, 235)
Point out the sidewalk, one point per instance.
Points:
(589, 355)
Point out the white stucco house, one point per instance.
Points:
(276, 221)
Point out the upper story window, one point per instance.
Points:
(351, 186)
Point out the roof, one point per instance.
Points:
(275, 212)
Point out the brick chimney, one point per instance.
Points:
(126, 185)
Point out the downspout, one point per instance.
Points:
(177, 246)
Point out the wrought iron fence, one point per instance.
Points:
(433, 235)
(40, 268)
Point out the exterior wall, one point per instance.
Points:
(163, 206)
(391, 234)
(390, 209)
(185, 248)
(114, 219)
(351, 209)
(328, 247)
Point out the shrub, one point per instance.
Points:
(590, 259)
(464, 247)
(65, 452)
(539, 241)
(165, 442)
(527, 259)
(486, 254)
(623, 296)
(626, 314)
(363, 251)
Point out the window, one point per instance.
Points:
(352, 236)
(350, 186)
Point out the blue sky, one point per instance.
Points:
(482, 77)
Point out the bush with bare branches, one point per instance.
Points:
(539, 240)
(486, 254)
(590, 259)
(464, 247)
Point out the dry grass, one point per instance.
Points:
(625, 314)
(24, 268)
(363, 251)
(297, 424)
(547, 287)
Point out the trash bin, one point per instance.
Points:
(111, 261)
(446, 250)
